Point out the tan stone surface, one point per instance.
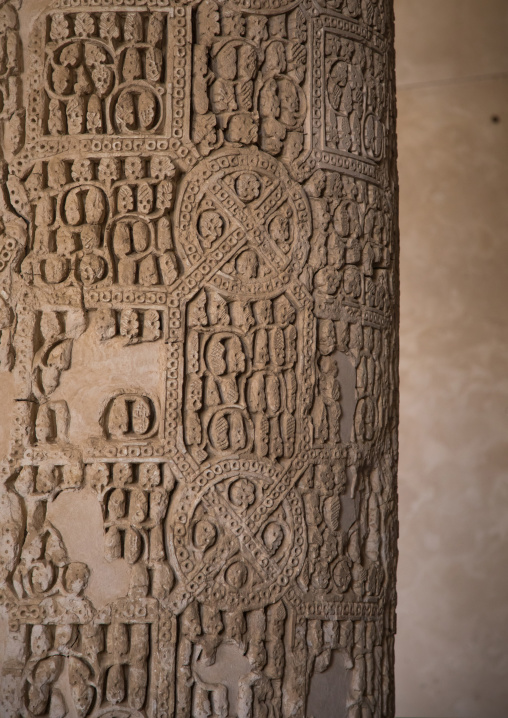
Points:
(451, 650)
(448, 40)
(199, 319)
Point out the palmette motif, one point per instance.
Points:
(198, 311)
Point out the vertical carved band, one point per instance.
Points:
(199, 315)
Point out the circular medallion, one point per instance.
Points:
(246, 196)
(237, 535)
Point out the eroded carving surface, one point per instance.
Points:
(198, 317)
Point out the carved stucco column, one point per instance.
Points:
(198, 314)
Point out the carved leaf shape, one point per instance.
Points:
(290, 336)
(97, 476)
(125, 199)
(60, 356)
(256, 393)
(148, 274)
(332, 512)
(40, 640)
(193, 433)
(115, 685)
(138, 681)
(140, 236)
(56, 269)
(272, 393)
(94, 115)
(42, 578)
(50, 379)
(55, 549)
(83, 84)
(238, 437)
(82, 693)
(118, 639)
(342, 575)
(70, 55)
(102, 77)
(149, 475)
(261, 348)
(127, 271)
(95, 206)
(138, 506)
(92, 268)
(147, 109)
(164, 195)
(162, 167)
(129, 323)
(288, 433)
(131, 65)
(44, 211)
(277, 346)
(108, 26)
(141, 416)
(121, 239)
(84, 24)
(341, 220)
(319, 419)
(262, 431)
(290, 379)
(59, 27)
(151, 326)
(118, 422)
(211, 392)
(122, 474)
(73, 207)
(155, 30)
(94, 55)
(153, 64)
(116, 505)
(140, 641)
(61, 77)
(112, 544)
(159, 499)
(162, 581)
(124, 111)
(276, 447)
(220, 433)
(145, 198)
(133, 27)
(229, 390)
(57, 173)
(133, 546)
(109, 169)
(56, 118)
(169, 268)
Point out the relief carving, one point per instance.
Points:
(198, 320)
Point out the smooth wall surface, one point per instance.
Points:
(452, 645)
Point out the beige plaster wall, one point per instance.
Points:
(452, 646)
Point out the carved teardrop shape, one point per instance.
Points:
(73, 207)
(95, 206)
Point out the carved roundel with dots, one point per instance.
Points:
(237, 538)
(248, 196)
